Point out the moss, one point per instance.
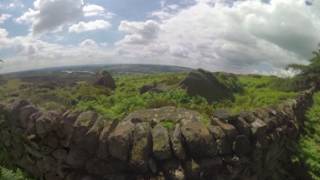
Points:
(168, 124)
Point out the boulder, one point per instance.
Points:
(104, 78)
(161, 143)
(205, 84)
(177, 144)
(227, 128)
(198, 139)
(84, 133)
(120, 140)
(141, 147)
(153, 88)
(224, 144)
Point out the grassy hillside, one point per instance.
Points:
(250, 91)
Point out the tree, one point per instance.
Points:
(308, 74)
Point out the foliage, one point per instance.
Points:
(308, 74)
(250, 91)
(309, 143)
(168, 124)
(6, 174)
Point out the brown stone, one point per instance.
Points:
(177, 144)
(198, 139)
(120, 140)
(141, 147)
(161, 143)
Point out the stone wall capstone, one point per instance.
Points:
(163, 143)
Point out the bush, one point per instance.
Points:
(309, 146)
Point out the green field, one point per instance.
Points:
(250, 91)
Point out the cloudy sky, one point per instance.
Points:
(243, 36)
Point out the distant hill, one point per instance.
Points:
(116, 68)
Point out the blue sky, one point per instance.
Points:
(247, 36)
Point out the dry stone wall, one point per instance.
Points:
(164, 143)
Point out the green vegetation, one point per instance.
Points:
(250, 91)
(308, 74)
(309, 143)
(168, 124)
(6, 174)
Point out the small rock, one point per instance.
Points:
(242, 145)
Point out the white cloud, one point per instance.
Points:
(139, 32)
(4, 17)
(90, 26)
(88, 43)
(50, 15)
(244, 37)
(96, 10)
(32, 53)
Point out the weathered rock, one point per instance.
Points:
(103, 152)
(60, 154)
(224, 144)
(205, 84)
(192, 169)
(24, 116)
(177, 143)
(82, 137)
(153, 88)
(104, 78)
(242, 126)
(161, 143)
(120, 140)
(242, 145)
(46, 123)
(77, 158)
(222, 114)
(258, 128)
(229, 129)
(198, 139)
(141, 147)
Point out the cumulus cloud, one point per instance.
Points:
(90, 26)
(50, 15)
(32, 53)
(139, 32)
(88, 43)
(4, 17)
(96, 10)
(238, 36)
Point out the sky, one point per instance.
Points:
(239, 36)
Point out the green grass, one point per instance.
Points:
(309, 143)
(250, 91)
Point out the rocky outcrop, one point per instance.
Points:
(153, 88)
(104, 78)
(205, 84)
(163, 143)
